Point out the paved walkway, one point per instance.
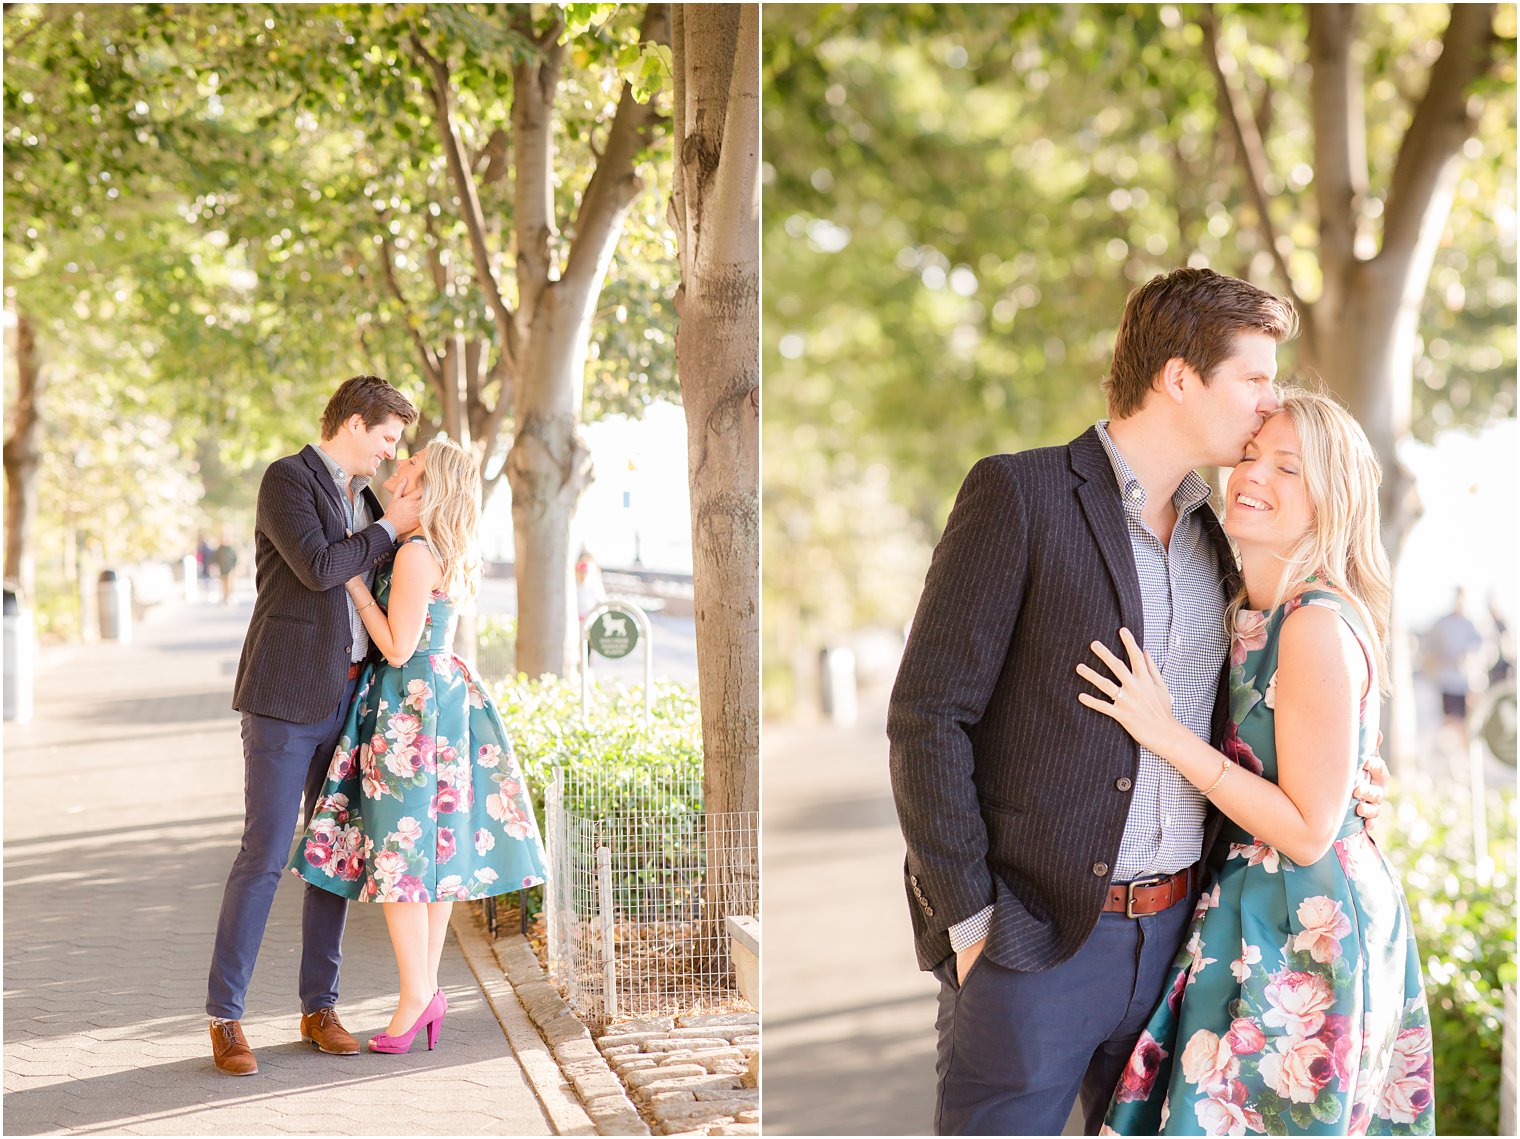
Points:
(123, 808)
(849, 1018)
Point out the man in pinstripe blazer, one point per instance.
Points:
(1051, 861)
(318, 524)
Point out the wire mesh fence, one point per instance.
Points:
(640, 884)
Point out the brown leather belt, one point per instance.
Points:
(353, 669)
(1146, 896)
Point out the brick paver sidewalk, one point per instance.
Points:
(123, 808)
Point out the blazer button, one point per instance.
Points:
(1100, 869)
(929, 911)
(1123, 784)
(913, 879)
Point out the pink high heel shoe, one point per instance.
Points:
(431, 1019)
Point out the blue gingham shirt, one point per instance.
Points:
(1185, 635)
(356, 514)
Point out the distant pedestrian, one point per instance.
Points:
(589, 590)
(226, 563)
(1456, 655)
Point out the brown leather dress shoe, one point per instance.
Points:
(327, 1034)
(230, 1051)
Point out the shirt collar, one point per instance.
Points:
(339, 475)
(1190, 493)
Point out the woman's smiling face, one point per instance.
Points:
(408, 471)
(1266, 500)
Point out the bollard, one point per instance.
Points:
(115, 595)
(19, 659)
(838, 689)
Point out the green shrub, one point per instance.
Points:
(1466, 933)
(643, 785)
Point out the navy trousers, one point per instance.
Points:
(284, 765)
(1015, 1049)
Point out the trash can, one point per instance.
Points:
(115, 596)
(20, 659)
(836, 667)
(189, 573)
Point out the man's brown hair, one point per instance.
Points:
(1194, 314)
(371, 399)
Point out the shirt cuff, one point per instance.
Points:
(972, 930)
(388, 528)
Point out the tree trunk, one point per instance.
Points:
(716, 207)
(22, 456)
(548, 468)
(717, 360)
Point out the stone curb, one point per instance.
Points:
(550, 1078)
(607, 1107)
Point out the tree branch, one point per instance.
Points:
(614, 183)
(1234, 109)
(1340, 142)
(1441, 123)
(464, 185)
(430, 365)
(535, 82)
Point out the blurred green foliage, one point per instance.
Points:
(199, 203)
(959, 198)
(1465, 927)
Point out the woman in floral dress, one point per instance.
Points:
(1297, 1005)
(424, 803)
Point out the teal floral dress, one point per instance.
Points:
(424, 800)
(1296, 1006)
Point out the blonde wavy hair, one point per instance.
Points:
(1342, 546)
(450, 520)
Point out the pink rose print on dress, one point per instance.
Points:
(1226, 1112)
(403, 727)
(451, 889)
(372, 787)
(389, 865)
(1324, 925)
(1139, 1074)
(489, 755)
(445, 844)
(1345, 1046)
(1250, 635)
(1238, 750)
(1269, 697)
(1406, 1094)
(446, 802)
(318, 854)
(1245, 1037)
(1298, 1069)
(408, 888)
(1256, 854)
(408, 831)
(484, 841)
(425, 758)
(1174, 996)
(1208, 1062)
(1358, 857)
(1299, 1002)
(418, 693)
(485, 876)
(1240, 968)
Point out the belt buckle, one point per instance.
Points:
(1129, 892)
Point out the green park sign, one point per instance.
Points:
(615, 633)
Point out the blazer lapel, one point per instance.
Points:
(1099, 497)
(324, 478)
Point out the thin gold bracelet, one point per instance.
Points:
(1224, 769)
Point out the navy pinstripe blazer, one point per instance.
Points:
(297, 650)
(1007, 788)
